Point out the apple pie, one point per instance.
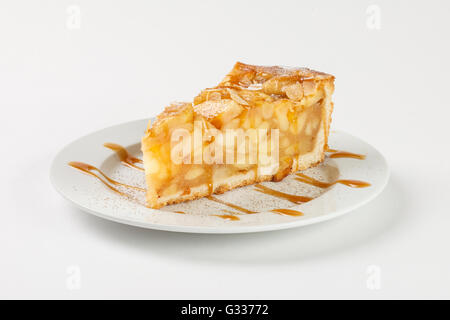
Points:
(258, 124)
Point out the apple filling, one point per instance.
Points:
(264, 105)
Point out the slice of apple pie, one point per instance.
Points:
(259, 124)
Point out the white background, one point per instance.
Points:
(128, 59)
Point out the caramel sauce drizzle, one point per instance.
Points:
(228, 211)
(344, 154)
(124, 156)
(130, 161)
(288, 212)
(87, 168)
(350, 183)
(227, 217)
(233, 206)
(328, 149)
(292, 198)
(210, 186)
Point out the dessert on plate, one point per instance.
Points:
(258, 124)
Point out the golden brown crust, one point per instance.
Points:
(245, 75)
(210, 109)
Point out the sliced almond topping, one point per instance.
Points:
(294, 91)
(272, 86)
(309, 87)
(236, 97)
(219, 112)
(214, 95)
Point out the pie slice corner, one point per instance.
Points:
(293, 105)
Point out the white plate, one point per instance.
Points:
(201, 215)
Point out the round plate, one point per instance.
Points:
(206, 216)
